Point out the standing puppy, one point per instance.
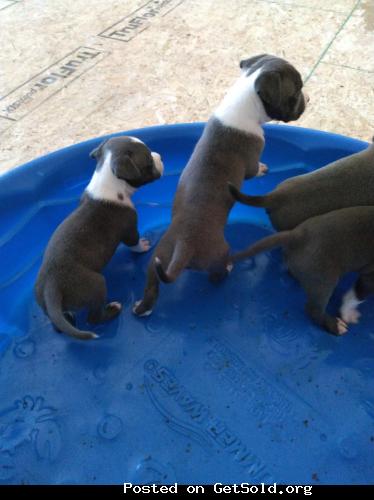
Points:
(347, 182)
(319, 252)
(70, 276)
(228, 151)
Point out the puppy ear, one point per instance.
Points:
(268, 87)
(125, 168)
(96, 153)
(247, 63)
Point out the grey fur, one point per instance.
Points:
(70, 276)
(195, 238)
(347, 182)
(320, 251)
(279, 86)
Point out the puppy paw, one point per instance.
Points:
(230, 267)
(341, 327)
(114, 306)
(113, 309)
(143, 246)
(336, 326)
(138, 309)
(262, 170)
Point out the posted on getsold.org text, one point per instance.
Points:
(219, 488)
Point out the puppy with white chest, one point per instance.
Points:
(348, 182)
(319, 252)
(228, 151)
(70, 276)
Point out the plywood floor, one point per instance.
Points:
(75, 69)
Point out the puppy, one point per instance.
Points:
(321, 250)
(70, 276)
(348, 182)
(228, 151)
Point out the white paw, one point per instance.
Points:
(230, 267)
(342, 326)
(262, 169)
(143, 246)
(146, 313)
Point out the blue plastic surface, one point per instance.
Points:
(226, 383)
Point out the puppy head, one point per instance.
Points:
(131, 160)
(278, 85)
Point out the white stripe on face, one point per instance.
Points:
(135, 139)
(158, 162)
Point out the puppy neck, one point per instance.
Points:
(105, 186)
(241, 108)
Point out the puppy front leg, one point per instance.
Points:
(262, 170)
(135, 243)
(99, 313)
(256, 169)
(99, 310)
(142, 246)
(318, 296)
(144, 307)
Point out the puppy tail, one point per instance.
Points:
(254, 201)
(274, 240)
(53, 303)
(179, 261)
(162, 276)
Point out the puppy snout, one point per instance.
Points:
(158, 163)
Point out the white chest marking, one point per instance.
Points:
(241, 108)
(104, 185)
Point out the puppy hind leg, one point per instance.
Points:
(318, 296)
(219, 273)
(222, 268)
(363, 287)
(69, 316)
(164, 251)
(98, 310)
(99, 313)
(216, 277)
(178, 261)
(144, 306)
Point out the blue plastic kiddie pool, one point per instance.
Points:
(228, 383)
